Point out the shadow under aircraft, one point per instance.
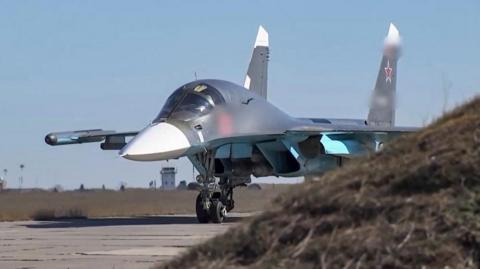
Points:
(231, 132)
(64, 223)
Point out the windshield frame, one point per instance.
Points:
(189, 107)
(210, 94)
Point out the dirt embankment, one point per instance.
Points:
(416, 204)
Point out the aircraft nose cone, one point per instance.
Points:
(160, 141)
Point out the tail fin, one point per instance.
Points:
(382, 107)
(257, 73)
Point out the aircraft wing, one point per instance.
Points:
(340, 132)
(111, 140)
(322, 128)
(344, 140)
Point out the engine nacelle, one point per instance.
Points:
(257, 165)
(311, 147)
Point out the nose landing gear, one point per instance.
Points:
(202, 214)
(217, 211)
(213, 205)
(215, 199)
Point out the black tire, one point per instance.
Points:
(202, 214)
(217, 210)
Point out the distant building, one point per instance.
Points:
(168, 178)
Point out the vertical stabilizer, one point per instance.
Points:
(382, 106)
(257, 73)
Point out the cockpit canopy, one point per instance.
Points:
(189, 102)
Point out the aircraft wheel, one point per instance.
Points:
(202, 214)
(217, 211)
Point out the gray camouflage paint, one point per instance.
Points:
(250, 136)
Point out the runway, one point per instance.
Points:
(102, 243)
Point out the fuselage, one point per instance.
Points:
(201, 114)
(247, 133)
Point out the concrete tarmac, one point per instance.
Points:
(102, 243)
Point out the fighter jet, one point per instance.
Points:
(231, 132)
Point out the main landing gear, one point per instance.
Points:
(216, 212)
(215, 199)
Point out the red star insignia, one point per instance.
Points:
(388, 72)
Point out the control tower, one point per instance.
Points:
(168, 178)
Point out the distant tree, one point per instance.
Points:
(182, 185)
(20, 179)
(103, 187)
(82, 188)
(194, 186)
(2, 184)
(57, 188)
(123, 186)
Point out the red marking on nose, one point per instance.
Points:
(225, 126)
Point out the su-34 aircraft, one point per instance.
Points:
(231, 132)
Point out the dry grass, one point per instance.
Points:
(416, 204)
(50, 214)
(43, 205)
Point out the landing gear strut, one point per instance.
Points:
(216, 197)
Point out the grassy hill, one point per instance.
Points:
(416, 204)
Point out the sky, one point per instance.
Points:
(69, 65)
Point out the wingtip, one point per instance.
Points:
(262, 37)
(393, 36)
